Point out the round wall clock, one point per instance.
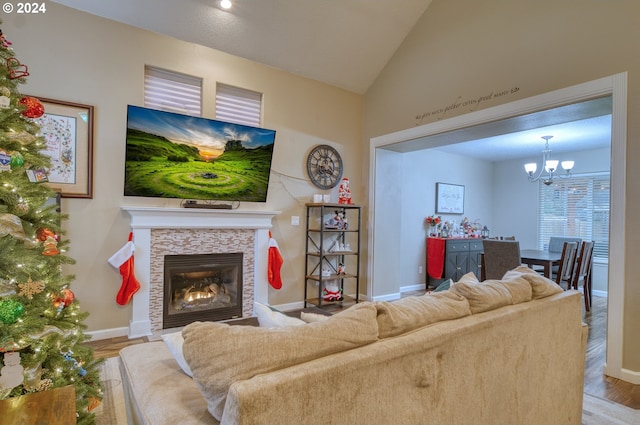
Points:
(324, 166)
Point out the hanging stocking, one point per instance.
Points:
(275, 263)
(123, 260)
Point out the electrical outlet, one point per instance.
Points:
(295, 220)
(420, 270)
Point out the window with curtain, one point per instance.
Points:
(578, 207)
(173, 92)
(237, 105)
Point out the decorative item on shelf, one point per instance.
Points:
(331, 292)
(485, 232)
(434, 222)
(550, 166)
(337, 222)
(342, 269)
(344, 193)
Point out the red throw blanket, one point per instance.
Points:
(435, 257)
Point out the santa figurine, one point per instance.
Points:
(344, 193)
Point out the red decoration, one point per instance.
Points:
(42, 234)
(65, 298)
(35, 109)
(16, 69)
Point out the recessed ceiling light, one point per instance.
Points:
(225, 4)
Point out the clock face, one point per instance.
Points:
(324, 166)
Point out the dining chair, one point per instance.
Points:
(567, 264)
(498, 258)
(583, 272)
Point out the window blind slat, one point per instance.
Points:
(238, 105)
(172, 91)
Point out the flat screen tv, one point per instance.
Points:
(170, 155)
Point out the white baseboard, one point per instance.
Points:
(388, 297)
(108, 333)
(409, 288)
(599, 293)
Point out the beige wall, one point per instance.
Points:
(77, 57)
(463, 50)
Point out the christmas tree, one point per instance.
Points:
(41, 329)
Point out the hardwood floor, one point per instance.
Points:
(595, 383)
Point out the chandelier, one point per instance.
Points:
(549, 166)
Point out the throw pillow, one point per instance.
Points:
(541, 286)
(519, 288)
(269, 318)
(400, 316)
(220, 354)
(174, 342)
(482, 296)
(444, 286)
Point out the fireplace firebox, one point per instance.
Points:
(201, 287)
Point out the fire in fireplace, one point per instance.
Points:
(206, 287)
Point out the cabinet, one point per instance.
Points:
(461, 256)
(332, 254)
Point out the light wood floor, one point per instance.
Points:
(595, 383)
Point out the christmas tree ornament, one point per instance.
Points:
(74, 362)
(5, 99)
(11, 224)
(11, 374)
(45, 384)
(68, 296)
(93, 403)
(42, 234)
(22, 137)
(17, 160)
(16, 69)
(10, 311)
(33, 107)
(50, 246)
(4, 42)
(30, 288)
(32, 377)
(5, 161)
(22, 207)
(7, 288)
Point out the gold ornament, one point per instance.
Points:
(30, 288)
(44, 385)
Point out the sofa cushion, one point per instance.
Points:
(406, 314)
(541, 286)
(269, 318)
(309, 317)
(482, 296)
(519, 288)
(220, 355)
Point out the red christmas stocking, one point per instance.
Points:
(123, 260)
(275, 263)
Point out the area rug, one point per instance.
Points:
(595, 410)
(112, 409)
(598, 411)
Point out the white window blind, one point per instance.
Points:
(172, 91)
(238, 105)
(577, 207)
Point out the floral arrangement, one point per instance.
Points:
(433, 220)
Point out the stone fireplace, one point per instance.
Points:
(160, 232)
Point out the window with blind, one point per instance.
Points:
(577, 207)
(173, 92)
(238, 105)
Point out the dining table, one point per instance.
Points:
(539, 257)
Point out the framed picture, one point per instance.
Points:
(68, 131)
(449, 198)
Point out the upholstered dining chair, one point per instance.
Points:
(583, 272)
(567, 264)
(498, 258)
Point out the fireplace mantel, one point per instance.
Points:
(146, 219)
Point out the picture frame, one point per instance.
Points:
(67, 128)
(449, 198)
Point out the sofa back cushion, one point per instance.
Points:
(482, 296)
(219, 354)
(541, 286)
(406, 314)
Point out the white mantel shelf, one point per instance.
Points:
(178, 218)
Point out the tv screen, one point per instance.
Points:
(170, 155)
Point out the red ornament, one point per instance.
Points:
(35, 109)
(65, 298)
(42, 234)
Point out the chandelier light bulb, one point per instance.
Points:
(530, 168)
(549, 166)
(567, 165)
